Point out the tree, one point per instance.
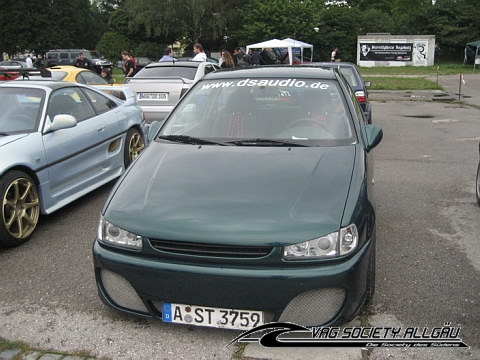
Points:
(339, 28)
(39, 25)
(264, 20)
(188, 21)
(112, 44)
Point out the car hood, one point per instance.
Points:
(234, 195)
(4, 140)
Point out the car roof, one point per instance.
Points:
(333, 64)
(175, 63)
(50, 84)
(274, 71)
(66, 68)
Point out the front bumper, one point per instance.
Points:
(335, 291)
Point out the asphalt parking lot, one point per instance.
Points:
(428, 256)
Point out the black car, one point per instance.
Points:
(69, 56)
(352, 75)
(141, 62)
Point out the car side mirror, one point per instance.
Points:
(153, 130)
(63, 121)
(374, 136)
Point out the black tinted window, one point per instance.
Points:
(173, 71)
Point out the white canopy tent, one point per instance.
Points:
(302, 45)
(288, 44)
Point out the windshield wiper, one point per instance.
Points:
(265, 142)
(190, 140)
(4, 133)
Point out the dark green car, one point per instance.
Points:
(254, 203)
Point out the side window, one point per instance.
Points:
(52, 58)
(70, 101)
(100, 102)
(90, 78)
(209, 68)
(358, 109)
(64, 58)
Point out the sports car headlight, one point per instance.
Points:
(338, 243)
(113, 235)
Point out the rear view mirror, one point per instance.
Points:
(63, 121)
(374, 136)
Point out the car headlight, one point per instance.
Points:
(338, 243)
(111, 234)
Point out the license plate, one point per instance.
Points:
(212, 317)
(153, 96)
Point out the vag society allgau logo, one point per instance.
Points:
(358, 337)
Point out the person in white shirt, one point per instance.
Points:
(199, 54)
(29, 62)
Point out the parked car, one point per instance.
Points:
(13, 65)
(69, 56)
(160, 85)
(6, 74)
(478, 180)
(73, 74)
(254, 203)
(142, 61)
(356, 82)
(59, 141)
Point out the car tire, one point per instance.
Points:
(370, 287)
(20, 211)
(478, 184)
(134, 145)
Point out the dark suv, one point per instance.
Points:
(69, 56)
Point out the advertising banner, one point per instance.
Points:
(386, 51)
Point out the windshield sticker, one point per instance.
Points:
(294, 83)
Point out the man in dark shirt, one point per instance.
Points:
(129, 66)
(83, 62)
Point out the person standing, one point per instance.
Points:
(128, 67)
(199, 53)
(227, 60)
(255, 56)
(29, 61)
(167, 55)
(83, 62)
(39, 62)
(335, 57)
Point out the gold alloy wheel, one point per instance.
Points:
(135, 146)
(21, 208)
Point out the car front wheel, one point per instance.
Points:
(20, 209)
(134, 145)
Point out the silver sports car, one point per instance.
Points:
(59, 141)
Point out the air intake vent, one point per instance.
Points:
(215, 250)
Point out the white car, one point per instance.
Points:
(159, 86)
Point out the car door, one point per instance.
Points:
(76, 155)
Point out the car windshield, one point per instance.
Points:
(20, 109)
(186, 72)
(248, 112)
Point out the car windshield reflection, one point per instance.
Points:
(253, 112)
(19, 109)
